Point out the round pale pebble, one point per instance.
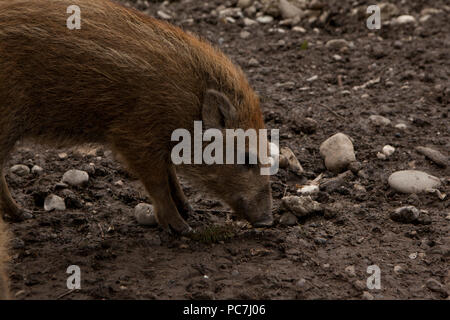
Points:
(53, 202)
(401, 126)
(404, 19)
(264, 19)
(413, 181)
(37, 170)
(388, 150)
(379, 120)
(144, 214)
(20, 170)
(243, 4)
(337, 152)
(75, 177)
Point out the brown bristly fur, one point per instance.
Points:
(127, 81)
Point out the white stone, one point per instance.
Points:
(37, 170)
(230, 12)
(20, 170)
(253, 62)
(308, 189)
(265, 19)
(367, 295)
(313, 78)
(381, 156)
(299, 29)
(288, 10)
(245, 34)
(300, 206)
(379, 120)
(62, 156)
(350, 270)
(404, 20)
(53, 202)
(413, 181)
(144, 214)
(337, 152)
(388, 150)
(249, 22)
(401, 126)
(337, 43)
(163, 15)
(243, 4)
(75, 177)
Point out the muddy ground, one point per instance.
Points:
(120, 259)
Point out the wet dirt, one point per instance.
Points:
(120, 259)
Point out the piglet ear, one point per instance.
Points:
(217, 111)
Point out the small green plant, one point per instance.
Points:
(304, 45)
(213, 234)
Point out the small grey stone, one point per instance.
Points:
(53, 202)
(288, 10)
(20, 170)
(337, 152)
(288, 219)
(359, 285)
(264, 19)
(165, 16)
(62, 156)
(350, 270)
(37, 170)
(320, 240)
(249, 22)
(413, 181)
(434, 156)
(300, 206)
(367, 296)
(408, 214)
(293, 163)
(404, 19)
(144, 214)
(398, 269)
(253, 62)
(337, 43)
(245, 34)
(435, 285)
(379, 120)
(243, 4)
(301, 283)
(333, 184)
(75, 177)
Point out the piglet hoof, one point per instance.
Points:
(184, 230)
(263, 223)
(187, 211)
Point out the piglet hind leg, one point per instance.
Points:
(176, 191)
